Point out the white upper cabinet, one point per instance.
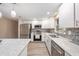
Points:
(48, 23)
(66, 15)
(77, 14)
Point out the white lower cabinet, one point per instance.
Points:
(43, 37)
(53, 48)
(48, 43)
(56, 50)
(47, 40)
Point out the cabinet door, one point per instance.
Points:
(49, 44)
(66, 15)
(56, 50)
(43, 37)
(48, 23)
(77, 14)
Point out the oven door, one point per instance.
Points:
(37, 37)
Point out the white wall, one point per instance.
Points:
(77, 14)
(66, 15)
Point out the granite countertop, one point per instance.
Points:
(12, 47)
(66, 45)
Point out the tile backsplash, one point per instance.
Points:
(71, 33)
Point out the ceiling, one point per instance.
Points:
(28, 11)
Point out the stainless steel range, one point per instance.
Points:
(37, 33)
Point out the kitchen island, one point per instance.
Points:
(13, 47)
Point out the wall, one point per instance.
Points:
(8, 28)
(66, 15)
(77, 15)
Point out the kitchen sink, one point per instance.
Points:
(54, 36)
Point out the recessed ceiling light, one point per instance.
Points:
(48, 13)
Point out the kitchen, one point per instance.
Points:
(51, 28)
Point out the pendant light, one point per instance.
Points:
(0, 14)
(13, 13)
